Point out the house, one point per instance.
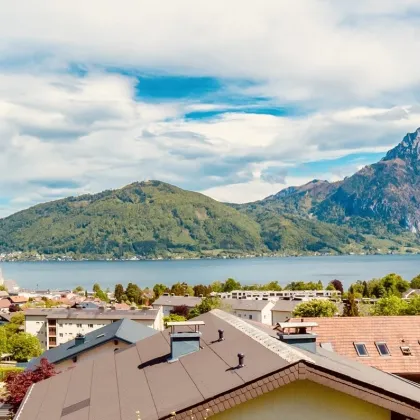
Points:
(169, 302)
(5, 318)
(4, 305)
(18, 300)
(275, 294)
(221, 366)
(389, 343)
(255, 310)
(283, 309)
(112, 337)
(58, 325)
(3, 294)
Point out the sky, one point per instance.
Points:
(233, 99)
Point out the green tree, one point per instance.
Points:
(413, 306)
(217, 286)
(78, 289)
(134, 293)
(231, 284)
(273, 285)
(3, 288)
(159, 290)
(330, 287)
(173, 318)
(96, 287)
(14, 326)
(351, 308)
(315, 308)
(394, 284)
(202, 290)
(182, 289)
(206, 305)
(389, 306)
(415, 282)
(118, 292)
(24, 346)
(366, 292)
(3, 340)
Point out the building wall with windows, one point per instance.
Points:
(37, 326)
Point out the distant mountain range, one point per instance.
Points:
(376, 208)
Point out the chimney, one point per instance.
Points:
(186, 341)
(79, 339)
(296, 334)
(241, 358)
(221, 335)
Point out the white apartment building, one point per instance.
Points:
(274, 295)
(57, 325)
(254, 310)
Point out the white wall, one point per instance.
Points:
(36, 325)
(281, 316)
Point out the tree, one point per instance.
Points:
(100, 294)
(159, 289)
(366, 292)
(14, 308)
(181, 310)
(96, 287)
(3, 288)
(351, 308)
(118, 292)
(133, 293)
(3, 340)
(389, 306)
(330, 287)
(78, 289)
(182, 289)
(315, 308)
(217, 286)
(206, 305)
(395, 284)
(18, 383)
(273, 285)
(24, 346)
(173, 318)
(201, 290)
(415, 282)
(337, 285)
(230, 285)
(413, 306)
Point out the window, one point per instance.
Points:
(90, 325)
(75, 359)
(61, 334)
(406, 351)
(382, 348)
(361, 349)
(250, 316)
(116, 342)
(100, 335)
(79, 325)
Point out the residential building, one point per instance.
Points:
(283, 309)
(58, 325)
(255, 310)
(112, 337)
(389, 343)
(4, 305)
(168, 302)
(274, 294)
(221, 366)
(18, 300)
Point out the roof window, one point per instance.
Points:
(327, 346)
(382, 348)
(361, 349)
(406, 351)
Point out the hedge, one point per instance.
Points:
(4, 371)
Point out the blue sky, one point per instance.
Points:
(236, 100)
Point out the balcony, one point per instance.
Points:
(52, 332)
(52, 342)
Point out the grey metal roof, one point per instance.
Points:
(189, 301)
(117, 385)
(63, 313)
(124, 329)
(245, 304)
(283, 305)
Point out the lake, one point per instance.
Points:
(67, 275)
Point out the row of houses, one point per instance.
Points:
(268, 312)
(222, 366)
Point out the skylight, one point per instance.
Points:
(382, 348)
(361, 349)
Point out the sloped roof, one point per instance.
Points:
(395, 331)
(246, 304)
(189, 301)
(124, 329)
(4, 303)
(139, 378)
(283, 305)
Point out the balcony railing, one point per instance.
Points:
(52, 332)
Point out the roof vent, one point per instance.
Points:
(186, 341)
(187, 295)
(296, 334)
(241, 360)
(79, 339)
(221, 335)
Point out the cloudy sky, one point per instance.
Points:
(236, 99)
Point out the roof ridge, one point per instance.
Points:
(286, 352)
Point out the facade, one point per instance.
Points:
(230, 369)
(389, 343)
(57, 326)
(112, 337)
(283, 309)
(274, 294)
(168, 302)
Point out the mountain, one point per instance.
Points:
(148, 218)
(376, 208)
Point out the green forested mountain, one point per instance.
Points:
(148, 218)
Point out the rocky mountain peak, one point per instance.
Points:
(408, 149)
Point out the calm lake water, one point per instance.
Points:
(67, 275)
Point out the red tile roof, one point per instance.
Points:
(4, 303)
(395, 331)
(18, 299)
